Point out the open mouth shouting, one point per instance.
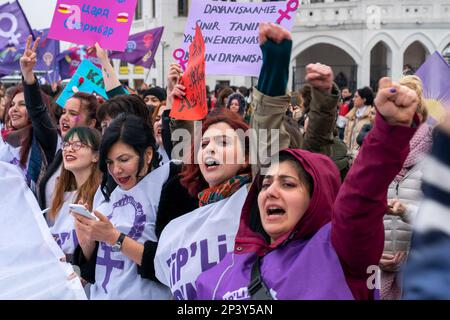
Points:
(274, 212)
(65, 127)
(211, 163)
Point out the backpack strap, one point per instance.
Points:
(257, 289)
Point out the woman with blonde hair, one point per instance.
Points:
(404, 195)
(79, 179)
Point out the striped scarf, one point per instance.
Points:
(224, 190)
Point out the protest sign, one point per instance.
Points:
(193, 105)
(107, 22)
(141, 48)
(230, 31)
(435, 75)
(88, 78)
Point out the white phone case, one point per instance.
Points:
(80, 209)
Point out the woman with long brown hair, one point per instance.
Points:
(29, 135)
(79, 179)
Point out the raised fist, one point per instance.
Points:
(396, 103)
(320, 76)
(272, 31)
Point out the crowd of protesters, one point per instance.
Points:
(340, 193)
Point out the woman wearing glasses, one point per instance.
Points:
(79, 179)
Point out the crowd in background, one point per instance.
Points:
(343, 195)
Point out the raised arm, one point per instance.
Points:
(112, 84)
(271, 101)
(357, 226)
(176, 89)
(323, 107)
(43, 127)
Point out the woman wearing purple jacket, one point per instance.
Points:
(301, 235)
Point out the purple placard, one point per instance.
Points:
(230, 31)
(107, 22)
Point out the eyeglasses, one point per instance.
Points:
(77, 145)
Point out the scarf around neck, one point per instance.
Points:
(224, 190)
(15, 137)
(419, 146)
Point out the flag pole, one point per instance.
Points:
(148, 74)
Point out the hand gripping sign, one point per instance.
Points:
(193, 105)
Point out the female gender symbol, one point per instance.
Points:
(179, 56)
(291, 6)
(11, 33)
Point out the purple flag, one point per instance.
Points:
(47, 53)
(141, 48)
(14, 26)
(435, 75)
(14, 30)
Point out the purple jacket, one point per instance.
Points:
(327, 255)
(313, 263)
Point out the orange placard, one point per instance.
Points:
(193, 105)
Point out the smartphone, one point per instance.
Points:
(81, 210)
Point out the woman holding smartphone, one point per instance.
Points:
(114, 244)
(78, 181)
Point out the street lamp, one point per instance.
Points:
(164, 46)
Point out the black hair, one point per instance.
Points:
(306, 94)
(131, 104)
(133, 131)
(304, 177)
(366, 93)
(86, 135)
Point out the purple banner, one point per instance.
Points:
(435, 75)
(14, 30)
(141, 48)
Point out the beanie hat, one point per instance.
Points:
(158, 92)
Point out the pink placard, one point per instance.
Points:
(107, 22)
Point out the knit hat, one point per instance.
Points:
(158, 92)
(241, 99)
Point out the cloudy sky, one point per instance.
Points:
(39, 12)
